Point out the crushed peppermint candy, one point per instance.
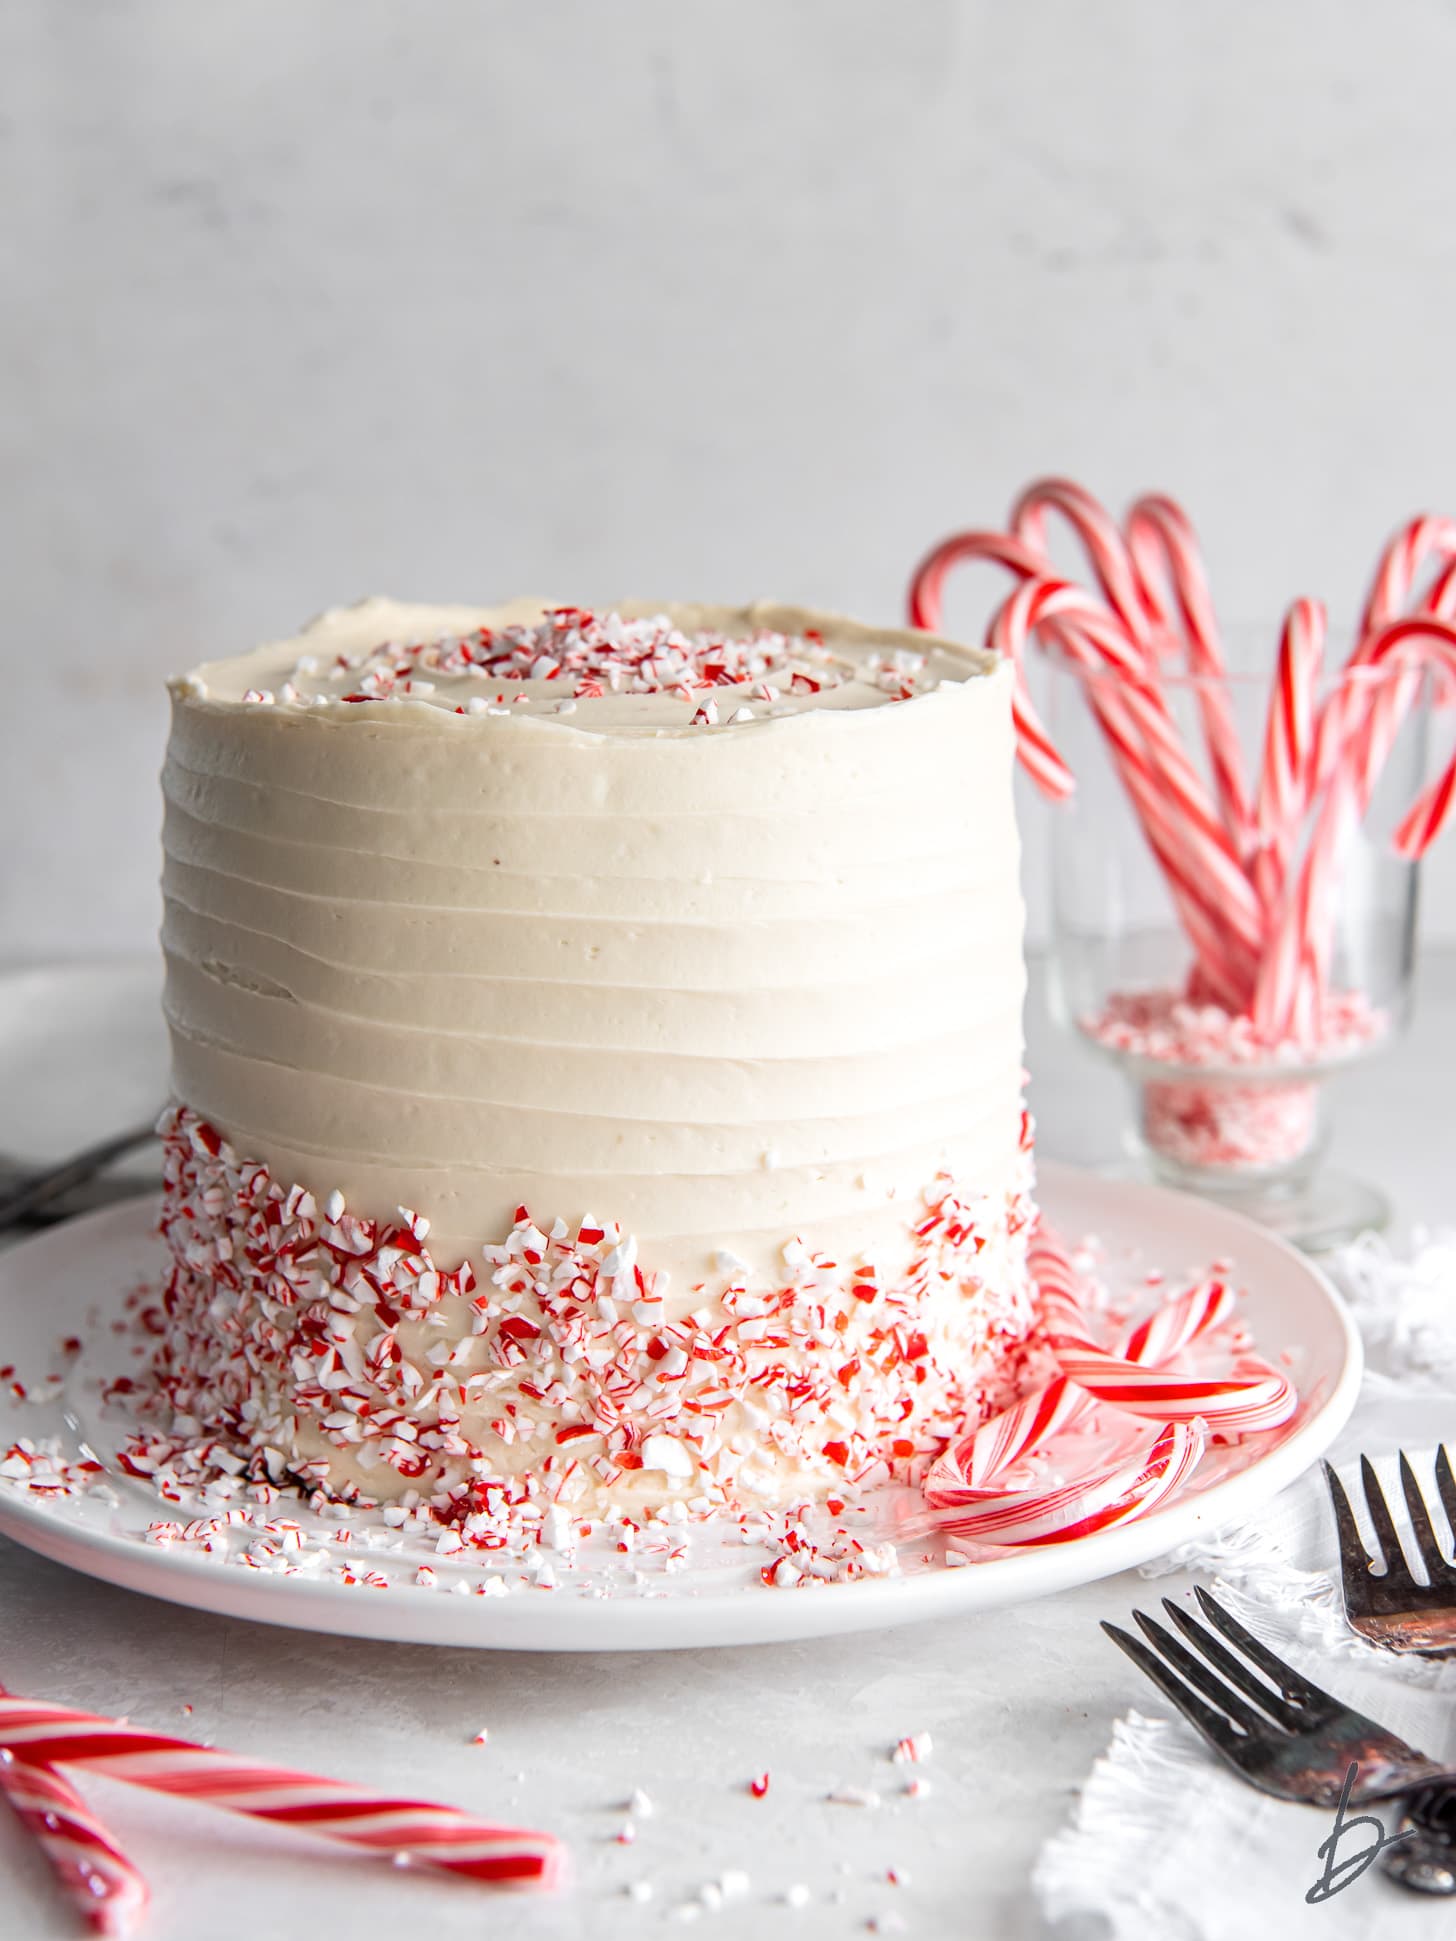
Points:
(1166, 1028)
(281, 1313)
(572, 655)
(853, 1796)
(911, 1750)
(1216, 1096)
(563, 1398)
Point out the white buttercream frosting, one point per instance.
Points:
(721, 985)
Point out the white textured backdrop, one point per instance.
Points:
(464, 299)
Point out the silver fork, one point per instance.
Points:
(1294, 1740)
(1391, 1610)
(1389, 1607)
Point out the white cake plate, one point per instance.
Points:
(71, 1281)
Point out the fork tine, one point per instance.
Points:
(1202, 1679)
(1235, 1670)
(1354, 1559)
(1291, 1683)
(1213, 1726)
(1437, 1569)
(1397, 1570)
(1446, 1488)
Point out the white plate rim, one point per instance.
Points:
(550, 1621)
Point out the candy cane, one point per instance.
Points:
(429, 1836)
(1303, 933)
(1421, 644)
(1225, 957)
(1406, 556)
(1088, 636)
(1199, 841)
(1426, 819)
(1126, 643)
(1261, 929)
(1242, 1404)
(1170, 794)
(1012, 628)
(1407, 552)
(1164, 547)
(1173, 805)
(1127, 1488)
(961, 1490)
(1254, 1398)
(93, 1872)
(1288, 747)
(972, 1465)
(927, 585)
(1171, 1328)
(1104, 544)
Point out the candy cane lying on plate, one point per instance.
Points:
(1127, 1488)
(1125, 1386)
(412, 1830)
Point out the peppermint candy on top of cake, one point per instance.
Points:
(581, 655)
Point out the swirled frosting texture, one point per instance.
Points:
(722, 985)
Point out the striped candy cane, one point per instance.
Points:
(1105, 547)
(1200, 839)
(961, 1490)
(1426, 819)
(1410, 552)
(1302, 937)
(1172, 803)
(1086, 633)
(1260, 925)
(428, 1836)
(1419, 645)
(927, 584)
(1165, 552)
(91, 1869)
(1285, 776)
(1129, 1487)
(1428, 537)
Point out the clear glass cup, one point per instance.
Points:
(1215, 1109)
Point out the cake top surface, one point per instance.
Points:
(628, 667)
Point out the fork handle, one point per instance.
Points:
(39, 1190)
(1425, 1861)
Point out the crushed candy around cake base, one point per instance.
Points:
(538, 1410)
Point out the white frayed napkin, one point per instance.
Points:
(1165, 1841)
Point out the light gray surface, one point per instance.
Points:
(474, 298)
(1019, 1702)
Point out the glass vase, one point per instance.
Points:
(1222, 1104)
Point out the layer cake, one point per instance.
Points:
(596, 1057)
